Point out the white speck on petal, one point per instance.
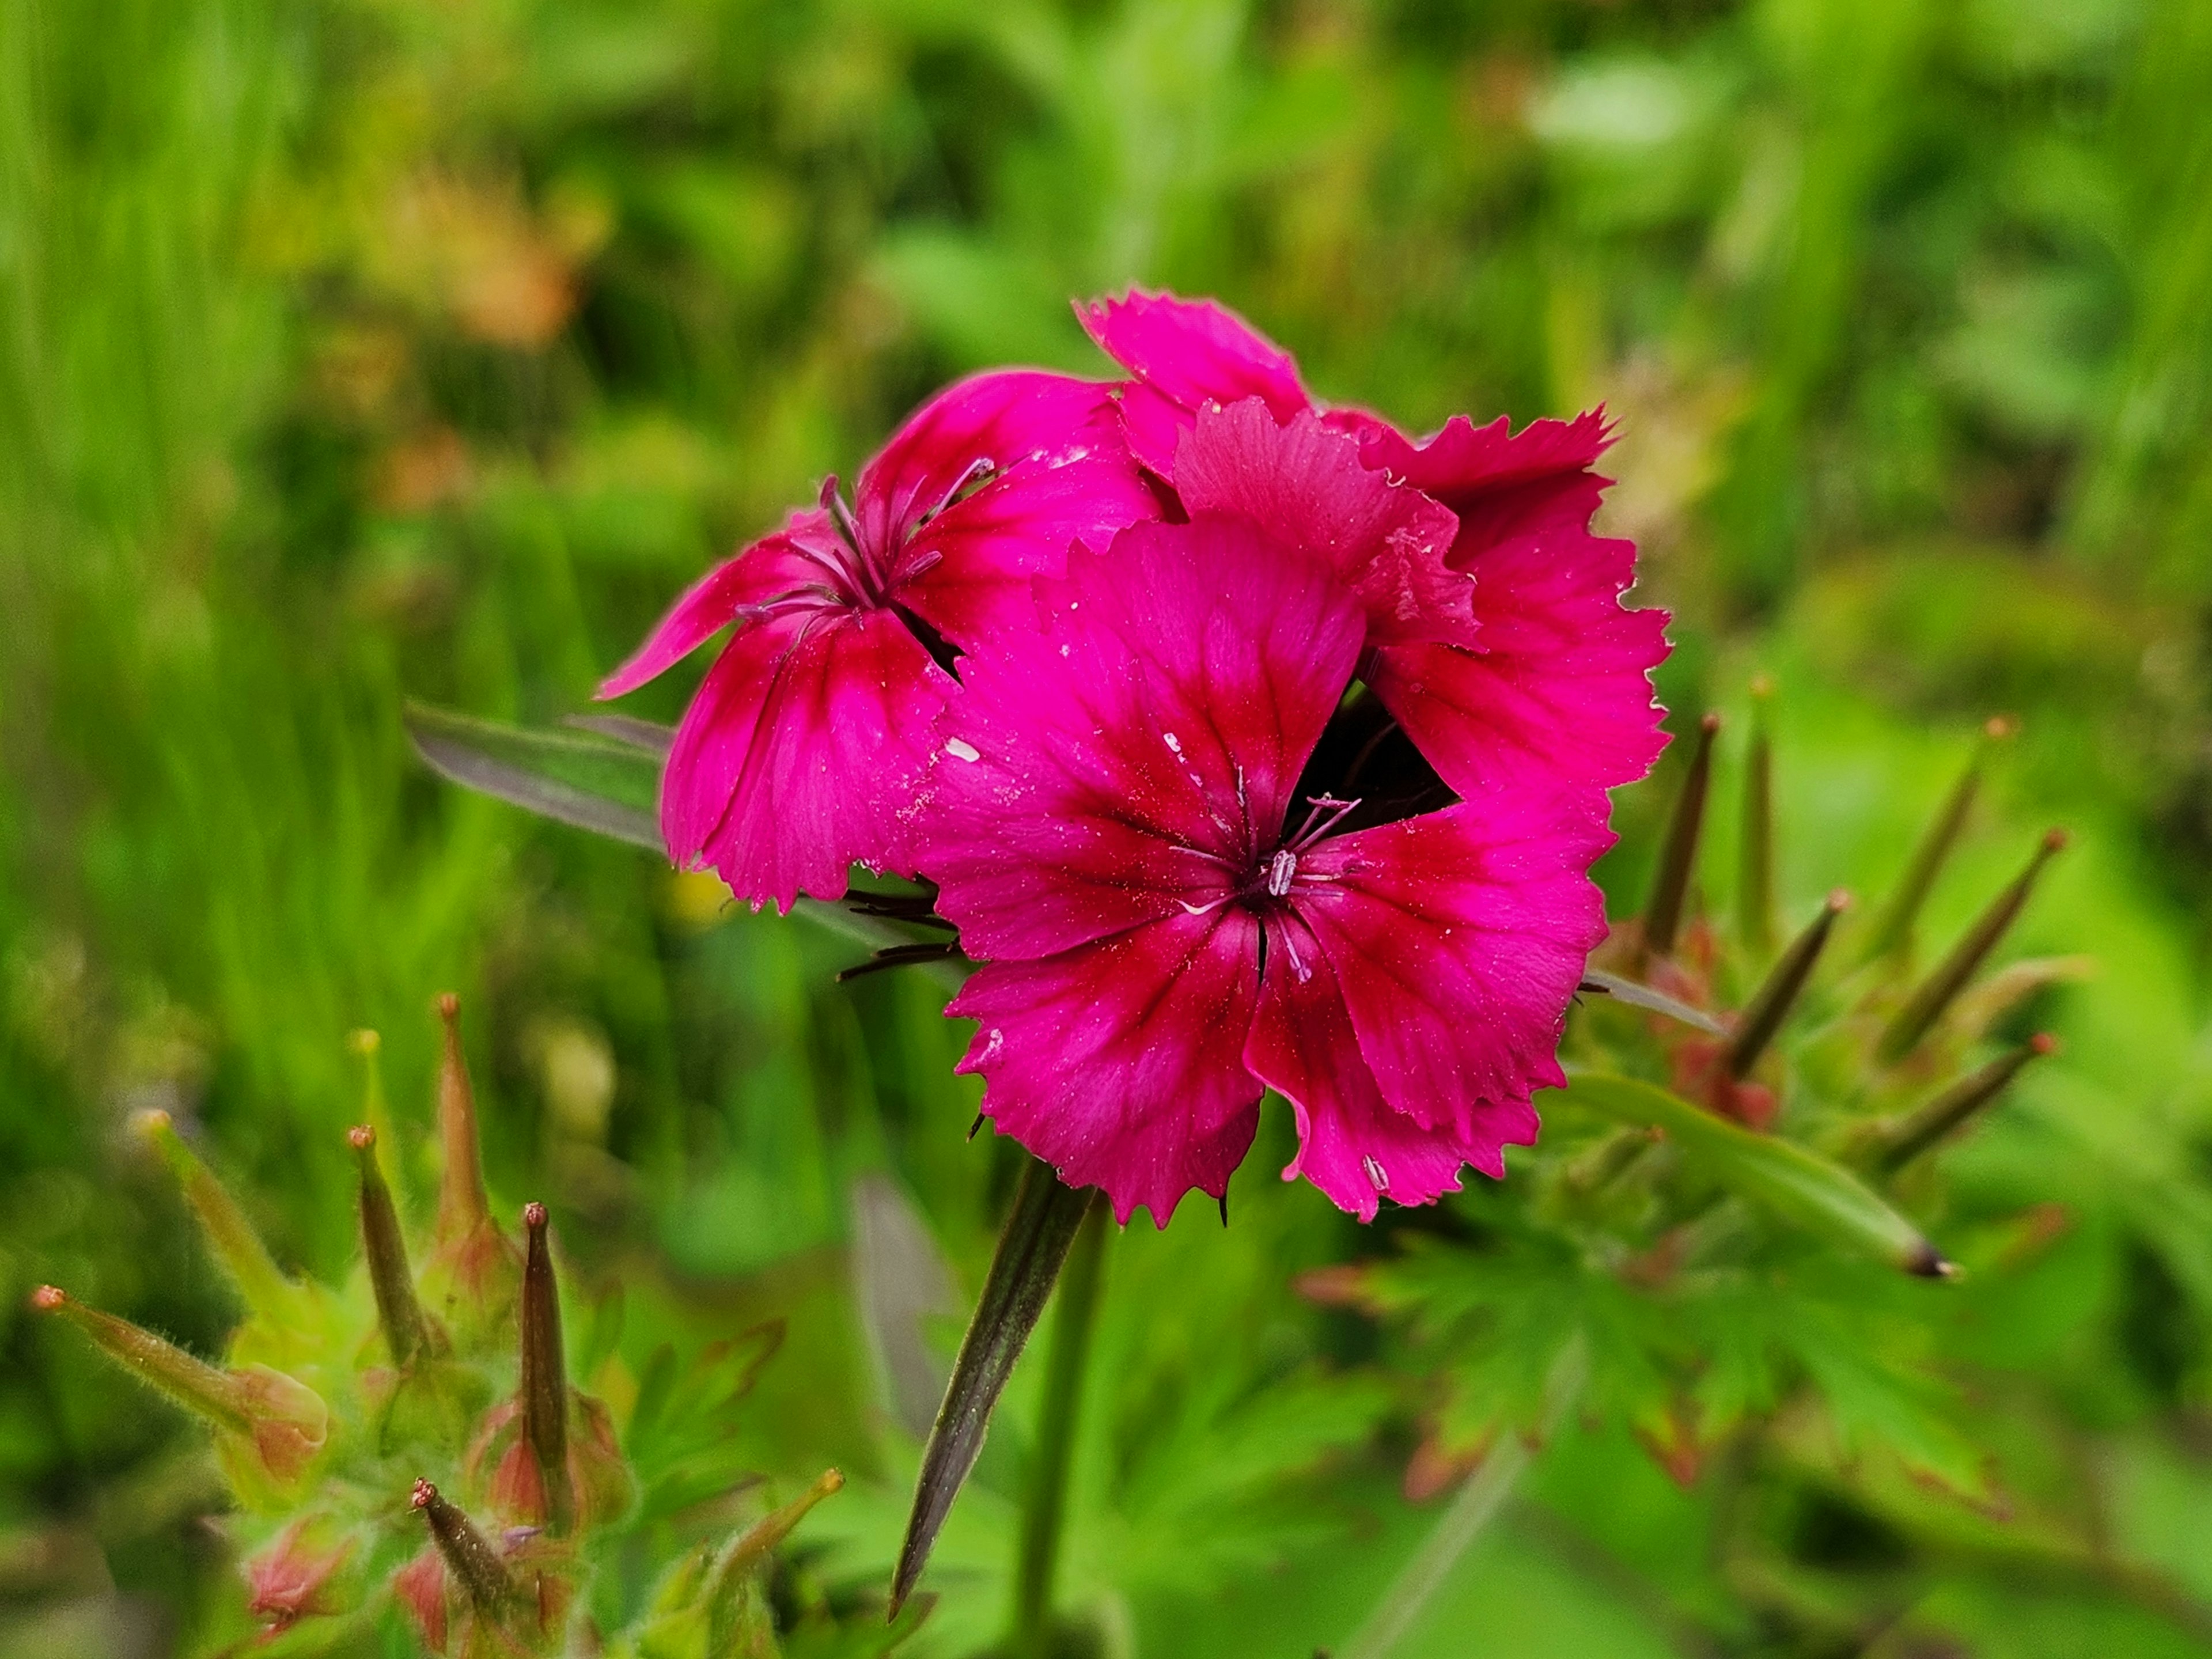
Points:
(1375, 1172)
(1175, 744)
(960, 748)
(991, 1044)
(1063, 650)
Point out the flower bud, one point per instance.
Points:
(1678, 855)
(473, 1264)
(1934, 994)
(237, 1246)
(471, 1559)
(399, 1316)
(1770, 1004)
(283, 1421)
(544, 1391)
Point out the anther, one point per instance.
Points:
(1282, 870)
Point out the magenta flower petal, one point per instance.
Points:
(1119, 1063)
(1103, 766)
(1353, 1144)
(1185, 353)
(790, 561)
(1305, 485)
(987, 425)
(1558, 692)
(803, 754)
(973, 562)
(1459, 937)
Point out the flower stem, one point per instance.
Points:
(1474, 1507)
(1071, 1325)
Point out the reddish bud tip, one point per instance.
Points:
(1710, 723)
(1762, 685)
(1998, 727)
(425, 1495)
(361, 1137)
(449, 1006)
(533, 1215)
(2055, 841)
(49, 1298)
(1839, 900)
(2043, 1043)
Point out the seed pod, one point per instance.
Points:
(1678, 856)
(544, 1391)
(1926, 1005)
(398, 1313)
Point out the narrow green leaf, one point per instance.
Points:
(604, 777)
(1799, 1186)
(585, 779)
(1043, 1223)
(1636, 994)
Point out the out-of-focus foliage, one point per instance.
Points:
(362, 348)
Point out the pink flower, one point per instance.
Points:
(802, 752)
(1177, 913)
(1551, 686)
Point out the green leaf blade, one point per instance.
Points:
(1801, 1187)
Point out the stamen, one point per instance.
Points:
(1200, 853)
(979, 471)
(1328, 812)
(840, 514)
(1282, 870)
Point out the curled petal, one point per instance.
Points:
(1185, 353)
(795, 561)
(801, 754)
(1120, 1062)
(996, 421)
(1465, 465)
(1458, 939)
(1353, 1144)
(1558, 692)
(971, 564)
(1124, 755)
(1304, 485)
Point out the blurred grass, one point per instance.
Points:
(362, 348)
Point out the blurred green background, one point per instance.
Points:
(358, 349)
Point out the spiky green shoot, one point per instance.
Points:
(1678, 853)
(1941, 988)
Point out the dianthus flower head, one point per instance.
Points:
(1176, 917)
(800, 754)
(1548, 684)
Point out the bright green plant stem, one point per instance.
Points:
(1072, 1322)
(1472, 1509)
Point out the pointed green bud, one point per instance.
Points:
(1893, 929)
(1678, 855)
(473, 1270)
(463, 1209)
(406, 1332)
(1937, 993)
(1929, 1126)
(237, 1246)
(545, 1374)
(368, 1047)
(743, 1556)
(1755, 845)
(1771, 1003)
(469, 1557)
(284, 1421)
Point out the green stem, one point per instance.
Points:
(1071, 1325)
(1474, 1507)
